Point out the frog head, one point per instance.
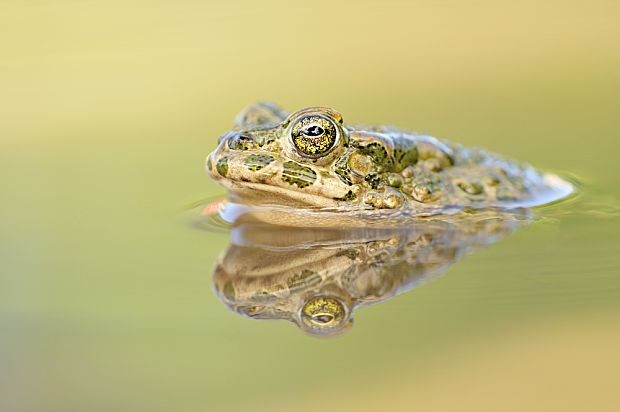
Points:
(310, 158)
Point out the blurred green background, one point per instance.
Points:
(108, 108)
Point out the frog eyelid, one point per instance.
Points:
(317, 111)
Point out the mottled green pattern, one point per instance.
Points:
(241, 142)
(263, 137)
(373, 180)
(348, 197)
(342, 170)
(257, 162)
(307, 278)
(379, 155)
(222, 166)
(405, 157)
(295, 174)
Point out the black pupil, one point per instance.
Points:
(313, 131)
(324, 318)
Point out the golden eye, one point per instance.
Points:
(323, 313)
(314, 135)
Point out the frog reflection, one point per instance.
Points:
(317, 277)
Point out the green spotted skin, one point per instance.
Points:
(296, 174)
(257, 162)
(222, 166)
(311, 159)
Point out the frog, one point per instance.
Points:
(317, 277)
(312, 160)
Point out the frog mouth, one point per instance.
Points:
(262, 193)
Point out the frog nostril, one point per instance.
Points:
(225, 137)
(241, 141)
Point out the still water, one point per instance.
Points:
(114, 297)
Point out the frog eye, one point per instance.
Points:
(314, 135)
(323, 313)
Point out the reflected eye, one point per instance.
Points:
(314, 135)
(322, 313)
